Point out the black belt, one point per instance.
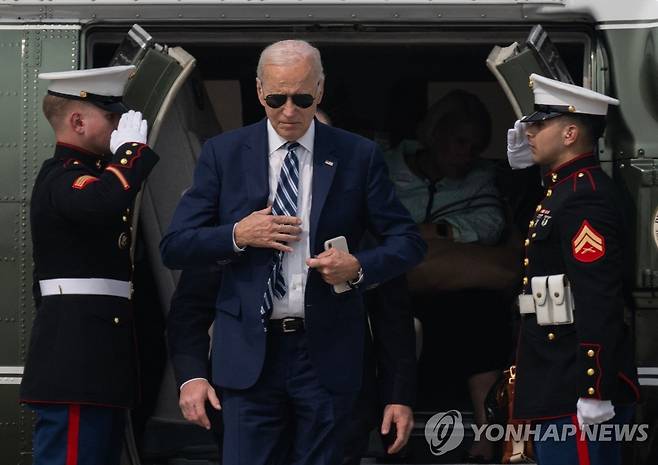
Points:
(286, 325)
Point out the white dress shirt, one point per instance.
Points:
(294, 266)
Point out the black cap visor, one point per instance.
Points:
(113, 107)
(105, 102)
(541, 115)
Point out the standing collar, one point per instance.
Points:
(578, 163)
(64, 151)
(276, 141)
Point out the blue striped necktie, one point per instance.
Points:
(285, 203)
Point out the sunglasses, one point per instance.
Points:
(300, 100)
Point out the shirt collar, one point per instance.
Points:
(64, 151)
(276, 141)
(582, 161)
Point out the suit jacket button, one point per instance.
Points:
(124, 240)
(590, 353)
(590, 372)
(591, 391)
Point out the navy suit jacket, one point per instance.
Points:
(351, 194)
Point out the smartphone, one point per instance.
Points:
(339, 243)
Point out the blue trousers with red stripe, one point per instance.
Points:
(73, 434)
(579, 449)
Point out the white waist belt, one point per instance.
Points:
(85, 286)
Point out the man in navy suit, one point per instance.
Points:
(287, 350)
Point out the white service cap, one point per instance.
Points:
(101, 86)
(555, 98)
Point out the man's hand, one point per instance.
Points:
(262, 229)
(132, 128)
(519, 154)
(403, 418)
(335, 266)
(193, 396)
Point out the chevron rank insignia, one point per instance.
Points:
(83, 181)
(587, 245)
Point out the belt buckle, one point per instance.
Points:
(285, 327)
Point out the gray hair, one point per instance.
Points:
(287, 52)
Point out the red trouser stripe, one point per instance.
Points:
(581, 443)
(73, 435)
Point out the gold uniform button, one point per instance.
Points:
(590, 353)
(527, 242)
(590, 372)
(98, 164)
(116, 320)
(554, 177)
(135, 144)
(533, 235)
(525, 281)
(129, 152)
(124, 161)
(531, 224)
(591, 391)
(551, 336)
(538, 208)
(526, 262)
(580, 175)
(124, 218)
(549, 192)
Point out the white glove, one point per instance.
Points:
(518, 149)
(594, 411)
(132, 128)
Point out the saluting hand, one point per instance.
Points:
(192, 402)
(335, 266)
(132, 128)
(262, 229)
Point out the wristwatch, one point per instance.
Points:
(356, 281)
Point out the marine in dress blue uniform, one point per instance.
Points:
(80, 373)
(576, 369)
